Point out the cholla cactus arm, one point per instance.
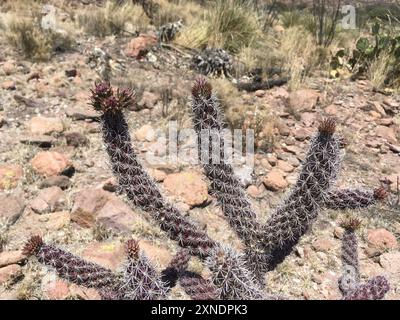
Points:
(71, 267)
(341, 199)
(198, 288)
(351, 271)
(224, 184)
(297, 212)
(231, 276)
(175, 268)
(140, 280)
(133, 179)
(373, 289)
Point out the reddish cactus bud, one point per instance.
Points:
(132, 249)
(327, 126)
(350, 224)
(380, 193)
(32, 246)
(202, 88)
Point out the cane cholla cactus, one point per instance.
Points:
(71, 267)
(353, 198)
(351, 270)
(215, 62)
(234, 275)
(133, 179)
(140, 280)
(373, 289)
(168, 32)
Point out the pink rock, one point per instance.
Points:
(50, 163)
(145, 133)
(139, 46)
(188, 186)
(8, 85)
(11, 207)
(253, 191)
(42, 125)
(87, 204)
(9, 67)
(157, 175)
(148, 100)
(285, 166)
(302, 134)
(275, 181)
(96, 205)
(117, 215)
(57, 290)
(260, 93)
(107, 254)
(10, 175)
(47, 200)
(57, 220)
(323, 245)
(378, 108)
(11, 257)
(303, 100)
(381, 239)
(10, 273)
(386, 133)
(390, 261)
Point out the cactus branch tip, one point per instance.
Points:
(132, 249)
(105, 100)
(32, 246)
(380, 193)
(327, 126)
(201, 88)
(350, 224)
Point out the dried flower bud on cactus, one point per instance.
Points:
(104, 100)
(353, 198)
(132, 249)
(373, 289)
(296, 213)
(140, 281)
(71, 267)
(32, 246)
(351, 271)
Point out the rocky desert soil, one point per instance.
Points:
(55, 179)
